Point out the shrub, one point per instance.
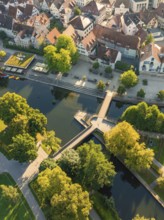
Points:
(122, 66)
(121, 90)
(141, 93)
(144, 82)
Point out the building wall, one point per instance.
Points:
(138, 6)
(82, 3)
(121, 9)
(83, 33)
(150, 65)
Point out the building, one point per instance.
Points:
(148, 18)
(82, 3)
(152, 58)
(107, 56)
(87, 46)
(138, 5)
(160, 14)
(130, 23)
(121, 6)
(6, 23)
(126, 44)
(52, 36)
(83, 25)
(95, 10)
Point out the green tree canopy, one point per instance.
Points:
(18, 115)
(57, 60)
(160, 182)
(141, 93)
(129, 78)
(138, 217)
(77, 10)
(47, 163)
(160, 95)
(121, 90)
(10, 193)
(123, 140)
(70, 162)
(96, 171)
(2, 53)
(101, 85)
(51, 141)
(144, 117)
(11, 105)
(63, 199)
(23, 148)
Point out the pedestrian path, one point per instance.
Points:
(23, 175)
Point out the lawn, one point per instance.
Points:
(147, 176)
(20, 60)
(104, 212)
(18, 211)
(160, 192)
(157, 145)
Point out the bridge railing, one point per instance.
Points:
(72, 140)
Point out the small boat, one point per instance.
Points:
(11, 77)
(17, 78)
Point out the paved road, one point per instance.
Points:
(23, 174)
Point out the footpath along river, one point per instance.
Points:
(60, 106)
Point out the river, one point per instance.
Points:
(60, 106)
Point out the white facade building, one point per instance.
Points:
(138, 5)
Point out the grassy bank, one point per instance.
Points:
(10, 211)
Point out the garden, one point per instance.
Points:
(20, 60)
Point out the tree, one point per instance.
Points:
(60, 197)
(59, 60)
(11, 105)
(101, 85)
(160, 95)
(77, 10)
(108, 69)
(2, 53)
(96, 65)
(129, 78)
(23, 148)
(66, 42)
(96, 171)
(121, 90)
(71, 203)
(47, 163)
(141, 93)
(138, 157)
(10, 193)
(51, 141)
(121, 137)
(144, 117)
(123, 140)
(36, 122)
(138, 217)
(160, 182)
(70, 162)
(122, 66)
(149, 39)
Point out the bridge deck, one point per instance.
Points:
(105, 104)
(75, 141)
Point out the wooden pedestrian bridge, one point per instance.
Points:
(98, 123)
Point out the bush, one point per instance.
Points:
(101, 85)
(121, 90)
(160, 95)
(144, 82)
(122, 66)
(141, 93)
(108, 69)
(96, 65)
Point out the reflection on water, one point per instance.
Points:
(60, 106)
